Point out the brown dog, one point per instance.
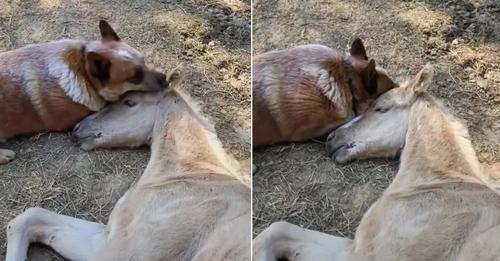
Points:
(52, 86)
(306, 91)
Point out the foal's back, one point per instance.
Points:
(451, 221)
(189, 204)
(196, 217)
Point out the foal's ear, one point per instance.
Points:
(174, 77)
(423, 80)
(358, 49)
(107, 32)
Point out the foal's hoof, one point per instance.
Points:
(6, 156)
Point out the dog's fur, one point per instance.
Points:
(306, 91)
(52, 86)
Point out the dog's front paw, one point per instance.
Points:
(6, 156)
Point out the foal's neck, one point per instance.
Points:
(186, 143)
(437, 149)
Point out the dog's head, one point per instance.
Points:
(114, 67)
(369, 80)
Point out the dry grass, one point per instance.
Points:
(298, 182)
(211, 37)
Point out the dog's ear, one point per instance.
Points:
(98, 66)
(107, 32)
(369, 76)
(358, 49)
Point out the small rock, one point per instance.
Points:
(454, 42)
(482, 83)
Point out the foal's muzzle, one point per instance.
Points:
(84, 136)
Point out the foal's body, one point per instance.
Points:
(436, 208)
(439, 207)
(189, 204)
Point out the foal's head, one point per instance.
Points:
(129, 122)
(381, 130)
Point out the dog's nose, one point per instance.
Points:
(161, 79)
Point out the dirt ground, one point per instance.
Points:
(298, 182)
(212, 38)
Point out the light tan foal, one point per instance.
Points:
(440, 206)
(191, 203)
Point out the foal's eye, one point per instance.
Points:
(382, 109)
(129, 103)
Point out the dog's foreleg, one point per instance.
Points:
(74, 239)
(285, 241)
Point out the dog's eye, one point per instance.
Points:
(382, 109)
(129, 103)
(138, 76)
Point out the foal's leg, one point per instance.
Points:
(74, 239)
(6, 156)
(284, 241)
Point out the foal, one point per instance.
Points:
(191, 203)
(440, 206)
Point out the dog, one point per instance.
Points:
(52, 86)
(306, 91)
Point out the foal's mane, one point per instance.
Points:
(489, 178)
(231, 164)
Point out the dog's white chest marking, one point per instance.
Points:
(71, 85)
(325, 81)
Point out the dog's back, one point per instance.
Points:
(286, 99)
(52, 86)
(34, 81)
(306, 91)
